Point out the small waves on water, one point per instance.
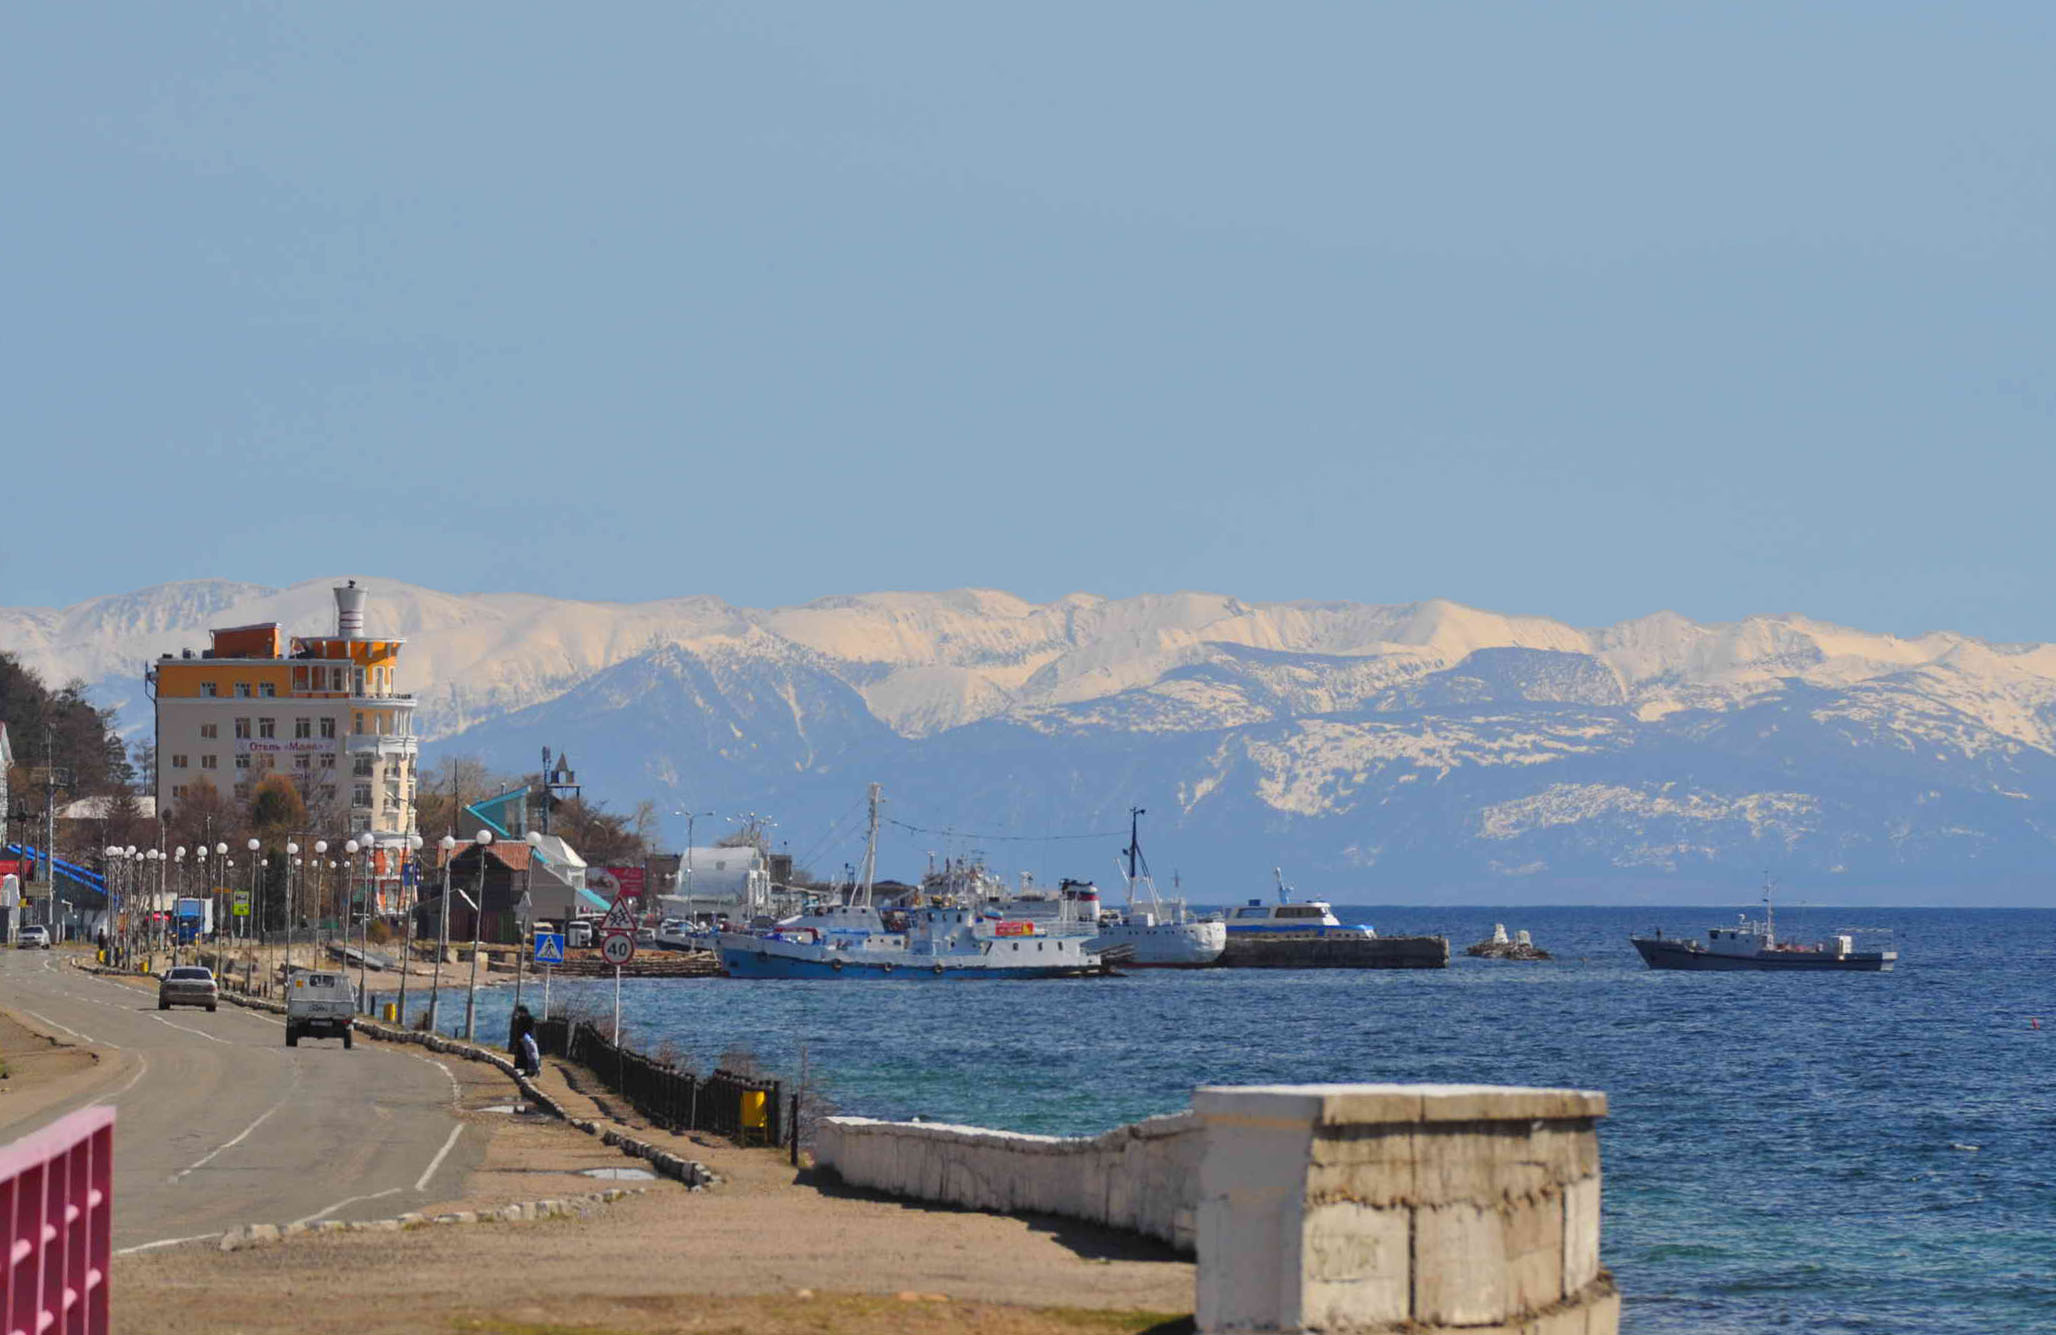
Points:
(1782, 1151)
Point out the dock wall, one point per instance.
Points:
(1417, 1208)
(1143, 1177)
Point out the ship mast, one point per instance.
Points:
(1770, 935)
(862, 899)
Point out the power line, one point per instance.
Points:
(1011, 838)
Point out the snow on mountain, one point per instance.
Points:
(1428, 748)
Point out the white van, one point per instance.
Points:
(320, 1005)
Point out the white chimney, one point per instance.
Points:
(350, 612)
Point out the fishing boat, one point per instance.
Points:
(1152, 931)
(1754, 945)
(856, 939)
(1308, 935)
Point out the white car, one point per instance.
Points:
(33, 937)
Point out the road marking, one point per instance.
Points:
(456, 1091)
(244, 1133)
(142, 1069)
(87, 1038)
(421, 1184)
(164, 1242)
(211, 1038)
(369, 1196)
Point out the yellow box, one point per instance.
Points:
(753, 1109)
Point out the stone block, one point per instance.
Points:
(1371, 1165)
(1534, 1252)
(1355, 1266)
(1580, 1235)
(1460, 1275)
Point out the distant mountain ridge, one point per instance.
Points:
(1385, 752)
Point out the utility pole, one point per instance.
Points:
(483, 840)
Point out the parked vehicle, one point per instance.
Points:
(35, 936)
(188, 985)
(320, 1004)
(580, 933)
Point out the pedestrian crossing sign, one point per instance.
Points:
(549, 947)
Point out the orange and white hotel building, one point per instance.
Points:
(325, 711)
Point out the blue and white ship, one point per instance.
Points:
(857, 940)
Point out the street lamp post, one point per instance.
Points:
(407, 951)
(256, 907)
(442, 933)
(221, 874)
(690, 817)
(178, 862)
(533, 838)
(483, 838)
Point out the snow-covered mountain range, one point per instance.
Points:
(1380, 753)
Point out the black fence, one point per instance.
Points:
(750, 1112)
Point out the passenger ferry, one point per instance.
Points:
(1308, 935)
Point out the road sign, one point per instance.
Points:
(617, 949)
(620, 918)
(241, 906)
(549, 947)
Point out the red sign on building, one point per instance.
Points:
(628, 882)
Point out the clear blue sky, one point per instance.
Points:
(1582, 312)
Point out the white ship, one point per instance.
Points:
(1151, 931)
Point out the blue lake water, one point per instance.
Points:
(1854, 1152)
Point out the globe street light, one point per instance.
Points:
(252, 919)
(410, 870)
(483, 838)
(448, 844)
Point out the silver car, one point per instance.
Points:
(187, 985)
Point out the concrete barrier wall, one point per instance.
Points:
(1143, 1177)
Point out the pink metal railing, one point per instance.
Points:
(57, 1208)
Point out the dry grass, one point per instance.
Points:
(837, 1314)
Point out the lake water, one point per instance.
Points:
(1854, 1152)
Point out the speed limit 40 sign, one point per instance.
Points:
(618, 948)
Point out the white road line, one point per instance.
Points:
(240, 1135)
(165, 1242)
(329, 1210)
(421, 1184)
(211, 1038)
(87, 1038)
(456, 1090)
(142, 1069)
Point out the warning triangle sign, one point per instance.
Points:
(619, 918)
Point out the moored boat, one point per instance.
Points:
(1754, 946)
(1308, 935)
(1154, 932)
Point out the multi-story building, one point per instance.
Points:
(324, 711)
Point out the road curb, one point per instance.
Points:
(559, 1207)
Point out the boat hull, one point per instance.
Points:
(1268, 951)
(742, 962)
(1192, 945)
(1660, 953)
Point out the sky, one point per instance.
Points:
(1575, 311)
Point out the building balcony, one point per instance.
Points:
(383, 744)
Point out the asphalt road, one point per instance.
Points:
(219, 1123)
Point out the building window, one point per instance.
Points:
(299, 678)
(242, 790)
(360, 795)
(335, 679)
(209, 762)
(178, 793)
(242, 762)
(178, 761)
(328, 792)
(303, 728)
(207, 689)
(303, 762)
(210, 730)
(328, 762)
(243, 729)
(267, 727)
(359, 824)
(242, 690)
(328, 728)
(361, 767)
(267, 689)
